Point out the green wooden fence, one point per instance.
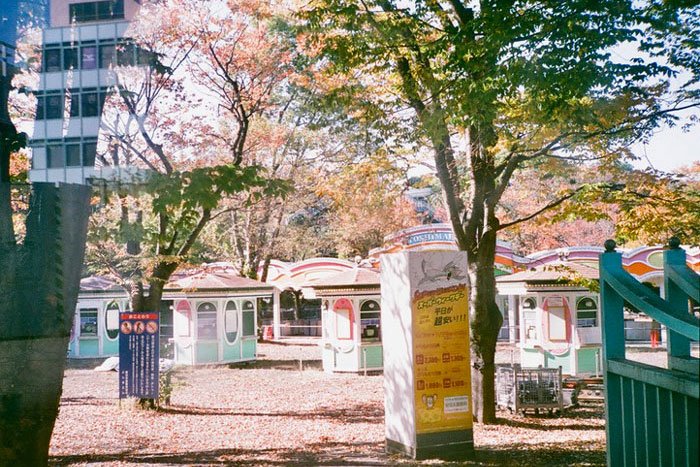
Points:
(652, 413)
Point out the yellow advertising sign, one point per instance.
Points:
(441, 368)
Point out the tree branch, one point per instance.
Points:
(547, 207)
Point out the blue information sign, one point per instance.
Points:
(138, 355)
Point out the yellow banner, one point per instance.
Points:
(441, 367)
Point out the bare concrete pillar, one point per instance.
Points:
(276, 314)
(512, 319)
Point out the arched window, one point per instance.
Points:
(112, 320)
(88, 322)
(344, 319)
(586, 313)
(206, 321)
(248, 315)
(231, 322)
(370, 314)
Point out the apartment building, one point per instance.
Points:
(84, 41)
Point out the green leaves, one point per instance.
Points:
(203, 188)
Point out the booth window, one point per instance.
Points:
(248, 318)
(112, 320)
(586, 313)
(344, 319)
(206, 321)
(231, 322)
(529, 306)
(88, 322)
(370, 319)
(556, 319)
(184, 310)
(166, 320)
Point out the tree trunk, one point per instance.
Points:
(486, 321)
(39, 287)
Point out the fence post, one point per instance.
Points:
(612, 311)
(612, 305)
(678, 345)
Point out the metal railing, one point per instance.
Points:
(651, 412)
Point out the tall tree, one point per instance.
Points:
(184, 118)
(495, 86)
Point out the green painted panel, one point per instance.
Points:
(556, 361)
(586, 360)
(207, 352)
(89, 348)
(232, 353)
(373, 355)
(250, 347)
(110, 347)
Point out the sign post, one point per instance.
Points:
(427, 379)
(138, 355)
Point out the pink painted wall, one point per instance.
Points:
(59, 11)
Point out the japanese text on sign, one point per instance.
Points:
(138, 355)
(441, 350)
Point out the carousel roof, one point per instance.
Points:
(358, 277)
(215, 280)
(99, 284)
(553, 272)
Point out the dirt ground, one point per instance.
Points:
(272, 413)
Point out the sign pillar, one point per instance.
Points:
(427, 379)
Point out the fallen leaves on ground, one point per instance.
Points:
(271, 413)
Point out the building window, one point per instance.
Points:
(112, 320)
(370, 320)
(88, 57)
(89, 107)
(126, 54)
(231, 322)
(248, 318)
(74, 103)
(96, 11)
(586, 313)
(70, 58)
(54, 106)
(89, 152)
(54, 156)
(144, 57)
(206, 321)
(73, 155)
(108, 55)
(40, 106)
(88, 322)
(52, 60)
